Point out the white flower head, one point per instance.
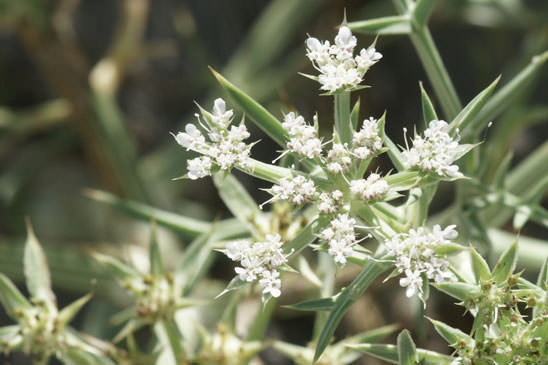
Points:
(225, 148)
(435, 152)
(339, 69)
(340, 237)
(330, 202)
(416, 258)
(297, 190)
(302, 137)
(367, 140)
(372, 188)
(338, 159)
(259, 261)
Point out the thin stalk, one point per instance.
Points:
(261, 321)
(435, 70)
(327, 272)
(343, 124)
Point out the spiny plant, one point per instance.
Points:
(330, 202)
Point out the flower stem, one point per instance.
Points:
(343, 124)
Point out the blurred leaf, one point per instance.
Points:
(460, 291)
(68, 313)
(531, 253)
(238, 201)
(505, 96)
(355, 114)
(155, 257)
(407, 351)
(189, 227)
(323, 304)
(120, 270)
(346, 298)
(11, 297)
(506, 264)
(390, 353)
(262, 118)
(463, 120)
(479, 266)
(307, 272)
(502, 171)
(234, 284)
(76, 356)
(422, 10)
(36, 270)
(399, 24)
(452, 335)
(196, 262)
(171, 332)
(542, 280)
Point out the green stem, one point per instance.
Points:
(435, 70)
(261, 321)
(343, 124)
(172, 334)
(327, 272)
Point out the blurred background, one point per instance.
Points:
(91, 89)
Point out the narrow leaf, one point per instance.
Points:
(390, 353)
(450, 334)
(355, 114)
(393, 151)
(407, 351)
(68, 313)
(346, 298)
(237, 200)
(11, 297)
(197, 260)
(542, 280)
(506, 264)
(155, 257)
(461, 291)
(323, 304)
(422, 10)
(262, 118)
(463, 119)
(306, 236)
(479, 266)
(399, 24)
(343, 124)
(120, 270)
(36, 270)
(428, 111)
(502, 171)
(235, 283)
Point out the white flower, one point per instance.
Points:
(340, 237)
(436, 151)
(259, 260)
(338, 159)
(416, 257)
(298, 190)
(330, 202)
(225, 147)
(199, 167)
(303, 138)
(338, 68)
(372, 188)
(367, 141)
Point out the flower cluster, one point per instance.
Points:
(338, 159)
(303, 138)
(340, 237)
(367, 141)
(259, 260)
(372, 188)
(339, 69)
(298, 190)
(416, 256)
(330, 202)
(226, 147)
(155, 296)
(436, 152)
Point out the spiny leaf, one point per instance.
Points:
(461, 291)
(118, 268)
(450, 334)
(11, 297)
(463, 119)
(399, 24)
(407, 351)
(479, 266)
(506, 264)
(428, 111)
(68, 313)
(346, 298)
(323, 304)
(262, 118)
(237, 200)
(36, 270)
(390, 353)
(155, 257)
